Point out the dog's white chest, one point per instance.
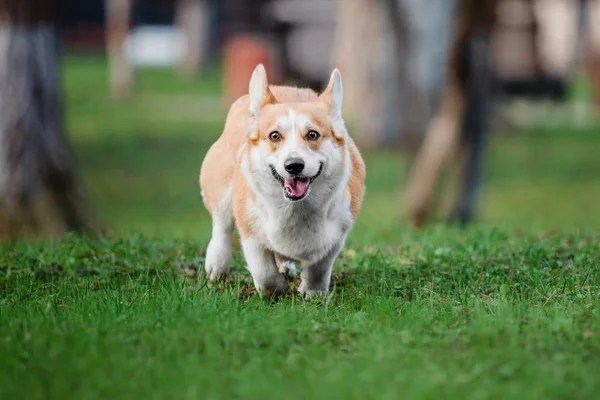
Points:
(301, 235)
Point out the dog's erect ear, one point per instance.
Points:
(259, 94)
(332, 96)
(259, 91)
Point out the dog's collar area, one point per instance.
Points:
(290, 186)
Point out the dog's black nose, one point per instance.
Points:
(294, 166)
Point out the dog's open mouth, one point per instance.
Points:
(296, 188)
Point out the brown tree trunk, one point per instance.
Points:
(443, 134)
(120, 77)
(190, 19)
(39, 194)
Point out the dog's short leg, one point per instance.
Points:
(317, 276)
(218, 253)
(261, 264)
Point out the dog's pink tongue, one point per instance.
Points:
(296, 187)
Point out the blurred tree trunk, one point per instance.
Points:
(593, 24)
(468, 84)
(382, 87)
(358, 21)
(118, 13)
(412, 104)
(595, 77)
(190, 17)
(39, 194)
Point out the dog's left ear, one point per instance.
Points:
(332, 96)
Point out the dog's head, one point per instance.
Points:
(296, 149)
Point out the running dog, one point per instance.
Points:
(288, 175)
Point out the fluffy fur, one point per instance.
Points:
(285, 219)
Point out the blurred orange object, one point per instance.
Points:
(241, 54)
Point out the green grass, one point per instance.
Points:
(507, 308)
(448, 315)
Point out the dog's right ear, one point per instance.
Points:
(259, 91)
(259, 94)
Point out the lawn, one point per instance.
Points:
(507, 308)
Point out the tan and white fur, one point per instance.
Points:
(287, 173)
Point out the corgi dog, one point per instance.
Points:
(286, 173)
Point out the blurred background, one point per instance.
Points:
(107, 107)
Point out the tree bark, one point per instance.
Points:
(118, 13)
(39, 194)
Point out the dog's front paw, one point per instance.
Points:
(215, 269)
(311, 292)
(218, 260)
(287, 268)
(274, 286)
(214, 272)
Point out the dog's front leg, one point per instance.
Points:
(218, 253)
(261, 264)
(315, 277)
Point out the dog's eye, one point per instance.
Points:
(274, 136)
(313, 135)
